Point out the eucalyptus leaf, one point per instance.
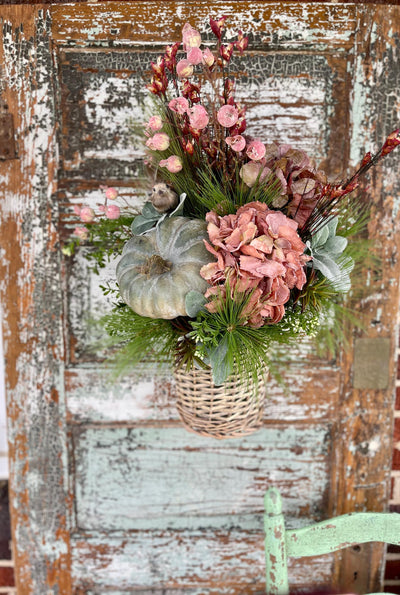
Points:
(194, 302)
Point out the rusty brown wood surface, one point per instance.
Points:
(32, 309)
(366, 418)
(333, 67)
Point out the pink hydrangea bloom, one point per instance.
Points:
(180, 105)
(87, 214)
(184, 69)
(255, 150)
(198, 117)
(158, 142)
(173, 164)
(208, 57)
(155, 123)
(227, 116)
(195, 56)
(111, 193)
(191, 37)
(112, 212)
(236, 143)
(259, 250)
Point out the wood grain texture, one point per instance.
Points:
(367, 415)
(148, 397)
(207, 563)
(150, 478)
(104, 94)
(273, 24)
(30, 293)
(334, 65)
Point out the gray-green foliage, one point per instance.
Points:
(327, 251)
(150, 217)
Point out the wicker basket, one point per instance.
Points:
(231, 410)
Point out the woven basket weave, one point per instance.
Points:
(231, 410)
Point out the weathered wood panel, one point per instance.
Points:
(367, 415)
(150, 478)
(209, 563)
(94, 397)
(288, 25)
(350, 60)
(30, 294)
(104, 101)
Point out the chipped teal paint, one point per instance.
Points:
(168, 478)
(223, 562)
(321, 538)
(359, 106)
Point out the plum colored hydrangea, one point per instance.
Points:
(257, 249)
(301, 183)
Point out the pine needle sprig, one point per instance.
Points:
(138, 339)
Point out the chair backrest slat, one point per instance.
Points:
(275, 547)
(321, 538)
(343, 531)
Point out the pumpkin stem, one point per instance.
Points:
(155, 265)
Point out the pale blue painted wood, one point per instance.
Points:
(321, 538)
(275, 547)
(192, 473)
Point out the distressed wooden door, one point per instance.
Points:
(109, 493)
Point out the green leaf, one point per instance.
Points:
(335, 245)
(327, 266)
(219, 362)
(178, 212)
(332, 226)
(149, 212)
(319, 239)
(194, 302)
(141, 225)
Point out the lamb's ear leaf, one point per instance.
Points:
(319, 238)
(141, 224)
(327, 266)
(178, 211)
(335, 245)
(149, 212)
(219, 362)
(332, 226)
(194, 302)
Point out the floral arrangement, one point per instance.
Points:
(242, 244)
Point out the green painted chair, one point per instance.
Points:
(321, 538)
